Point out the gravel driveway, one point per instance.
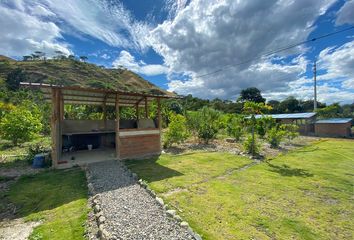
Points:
(129, 211)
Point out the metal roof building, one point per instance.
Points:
(334, 120)
(289, 115)
(334, 127)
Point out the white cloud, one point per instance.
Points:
(104, 20)
(128, 61)
(325, 93)
(105, 56)
(207, 35)
(23, 33)
(335, 79)
(349, 84)
(40, 10)
(337, 62)
(346, 13)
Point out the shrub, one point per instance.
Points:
(20, 125)
(275, 136)
(251, 145)
(177, 130)
(291, 131)
(235, 128)
(207, 124)
(263, 125)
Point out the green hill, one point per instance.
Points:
(75, 73)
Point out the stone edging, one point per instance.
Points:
(170, 212)
(103, 234)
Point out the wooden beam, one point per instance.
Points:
(137, 111)
(146, 108)
(55, 127)
(61, 112)
(121, 93)
(117, 128)
(159, 120)
(132, 103)
(104, 108)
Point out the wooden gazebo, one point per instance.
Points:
(77, 142)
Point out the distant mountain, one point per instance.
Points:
(75, 73)
(4, 58)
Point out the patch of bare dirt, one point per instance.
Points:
(16, 172)
(11, 227)
(17, 229)
(224, 145)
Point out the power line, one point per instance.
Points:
(276, 51)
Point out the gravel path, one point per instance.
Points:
(129, 211)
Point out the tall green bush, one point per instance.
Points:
(291, 131)
(235, 127)
(177, 130)
(20, 125)
(263, 124)
(275, 136)
(253, 108)
(205, 123)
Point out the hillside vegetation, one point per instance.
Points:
(75, 73)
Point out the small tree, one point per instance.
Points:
(207, 124)
(250, 145)
(254, 108)
(192, 123)
(177, 130)
(27, 58)
(275, 136)
(20, 125)
(263, 124)
(291, 131)
(235, 127)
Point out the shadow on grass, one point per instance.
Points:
(150, 170)
(46, 190)
(287, 171)
(13, 163)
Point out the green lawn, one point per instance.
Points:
(58, 198)
(305, 194)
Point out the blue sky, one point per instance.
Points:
(173, 43)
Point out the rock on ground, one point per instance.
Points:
(129, 211)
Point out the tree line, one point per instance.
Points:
(59, 55)
(288, 105)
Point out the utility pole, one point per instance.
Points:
(315, 87)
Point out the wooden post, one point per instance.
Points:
(117, 128)
(159, 114)
(55, 126)
(104, 108)
(146, 108)
(103, 137)
(159, 121)
(137, 111)
(61, 107)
